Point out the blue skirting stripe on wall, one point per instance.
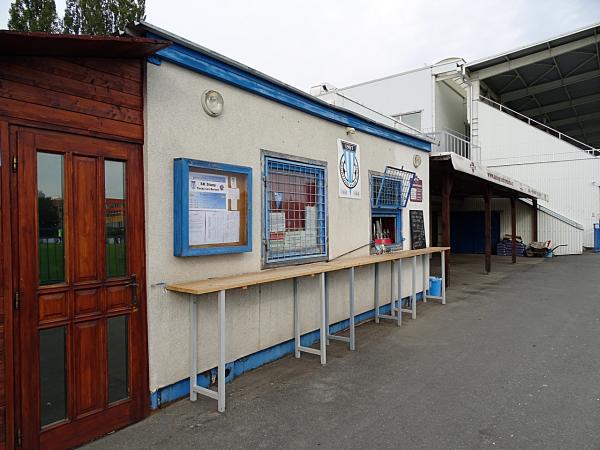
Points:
(207, 65)
(233, 369)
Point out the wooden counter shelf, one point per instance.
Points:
(220, 285)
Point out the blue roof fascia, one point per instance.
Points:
(209, 66)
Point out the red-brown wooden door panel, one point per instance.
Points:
(82, 331)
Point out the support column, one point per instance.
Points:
(513, 228)
(193, 346)
(447, 182)
(221, 367)
(534, 221)
(488, 229)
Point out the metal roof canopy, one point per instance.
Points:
(471, 179)
(14, 43)
(556, 82)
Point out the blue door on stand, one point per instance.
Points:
(467, 231)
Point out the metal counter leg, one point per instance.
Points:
(425, 277)
(376, 293)
(193, 346)
(221, 374)
(323, 320)
(414, 287)
(443, 277)
(296, 321)
(327, 306)
(399, 291)
(392, 302)
(351, 288)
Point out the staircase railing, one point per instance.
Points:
(540, 126)
(450, 141)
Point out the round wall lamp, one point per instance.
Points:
(212, 103)
(417, 161)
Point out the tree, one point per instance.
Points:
(101, 16)
(33, 15)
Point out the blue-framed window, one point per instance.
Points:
(212, 208)
(386, 222)
(295, 211)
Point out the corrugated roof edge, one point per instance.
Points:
(422, 142)
(481, 61)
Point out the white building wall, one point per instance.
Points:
(567, 174)
(259, 317)
(450, 108)
(402, 93)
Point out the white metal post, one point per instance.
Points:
(425, 277)
(323, 324)
(326, 307)
(193, 346)
(443, 277)
(414, 287)
(221, 370)
(296, 321)
(376, 293)
(352, 335)
(392, 302)
(399, 291)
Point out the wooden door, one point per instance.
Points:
(81, 314)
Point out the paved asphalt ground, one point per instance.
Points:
(512, 361)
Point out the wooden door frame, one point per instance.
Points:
(136, 194)
(7, 277)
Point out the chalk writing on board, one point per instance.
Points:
(417, 229)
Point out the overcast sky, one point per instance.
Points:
(345, 42)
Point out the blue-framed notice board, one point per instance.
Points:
(212, 208)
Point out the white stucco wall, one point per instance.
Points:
(450, 108)
(569, 176)
(259, 317)
(402, 93)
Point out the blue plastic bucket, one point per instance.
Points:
(597, 237)
(435, 286)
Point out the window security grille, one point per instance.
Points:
(295, 222)
(392, 190)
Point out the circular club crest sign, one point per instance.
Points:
(349, 165)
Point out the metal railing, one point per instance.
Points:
(451, 141)
(540, 126)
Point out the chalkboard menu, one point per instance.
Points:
(417, 229)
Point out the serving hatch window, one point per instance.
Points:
(295, 225)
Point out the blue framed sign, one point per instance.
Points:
(212, 208)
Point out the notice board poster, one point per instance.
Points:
(213, 211)
(416, 193)
(348, 169)
(212, 208)
(417, 229)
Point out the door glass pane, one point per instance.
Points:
(53, 390)
(51, 253)
(118, 358)
(114, 194)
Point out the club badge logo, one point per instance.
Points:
(349, 168)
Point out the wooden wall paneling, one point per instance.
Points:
(78, 72)
(9, 70)
(48, 114)
(30, 94)
(88, 95)
(126, 68)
